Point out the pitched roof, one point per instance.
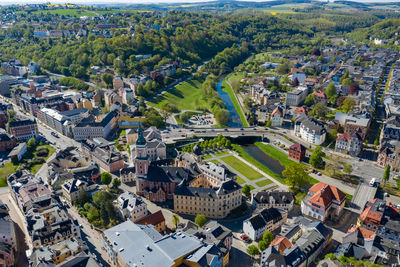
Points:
(297, 147)
(323, 194)
(153, 219)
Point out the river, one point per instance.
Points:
(234, 120)
(263, 158)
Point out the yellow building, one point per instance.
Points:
(216, 202)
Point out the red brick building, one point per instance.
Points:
(297, 152)
(24, 129)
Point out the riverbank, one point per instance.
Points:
(226, 87)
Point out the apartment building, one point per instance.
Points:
(23, 130)
(310, 130)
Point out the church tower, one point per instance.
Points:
(142, 159)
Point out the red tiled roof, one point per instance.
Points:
(153, 219)
(282, 243)
(301, 110)
(319, 94)
(297, 147)
(363, 233)
(324, 194)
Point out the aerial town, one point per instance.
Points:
(149, 136)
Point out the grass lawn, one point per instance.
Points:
(7, 169)
(256, 163)
(274, 153)
(226, 88)
(242, 168)
(187, 95)
(349, 197)
(264, 182)
(299, 197)
(221, 153)
(251, 187)
(215, 161)
(240, 180)
(209, 156)
(35, 168)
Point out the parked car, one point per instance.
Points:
(244, 236)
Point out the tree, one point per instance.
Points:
(83, 198)
(107, 79)
(316, 158)
(175, 220)
(222, 117)
(268, 237)
(310, 100)
(330, 90)
(295, 175)
(200, 220)
(246, 190)
(347, 168)
(283, 68)
(116, 183)
(252, 250)
(386, 174)
(93, 214)
(106, 178)
(269, 122)
(262, 245)
(319, 111)
(31, 144)
(348, 105)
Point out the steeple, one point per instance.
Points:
(140, 139)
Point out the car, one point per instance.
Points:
(360, 159)
(244, 236)
(254, 128)
(386, 194)
(241, 129)
(226, 129)
(319, 173)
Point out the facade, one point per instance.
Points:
(272, 199)
(18, 152)
(7, 142)
(88, 128)
(73, 188)
(297, 96)
(353, 123)
(127, 175)
(214, 202)
(323, 201)
(297, 152)
(268, 219)
(277, 116)
(389, 154)
(310, 130)
(350, 144)
(23, 130)
(131, 207)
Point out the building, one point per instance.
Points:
(156, 219)
(214, 202)
(294, 257)
(297, 96)
(103, 153)
(272, 199)
(23, 130)
(73, 188)
(310, 130)
(320, 97)
(352, 123)
(268, 219)
(7, 142)
(18, 152)
(6, 254)
(323, 202)
(127, 175)
(389, 154)
(350, 144)
(277, 116)
(213, 232)
(88, 128)
(130, 244)
(131, 207)
(297, 152)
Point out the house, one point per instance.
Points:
(7, 142)
(294, 257)
(277, 116)
(297, 152)
(310, 130)
(281, 243)
(7, 254)
(272, 199)
(352, 123)
(389, 154)
(135, 244)
(323, 202)
(156, 219)
(127, 175)
(213, 232)
(18, 152)
(131, 207)
(268, 219)
(390, 130)
(73, 188)
(350, 144)
(320, 97)
(23, 130)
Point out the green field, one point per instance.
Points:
(227, 88)
(242, 168)
(187, 95)
(215, 161)
(264, 182)
(240, 180)
(274, 153)
(205, 157)
(221, 153)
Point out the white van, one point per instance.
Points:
(372, 182)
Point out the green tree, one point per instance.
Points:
(116, 183)
(386, 174)
(31, 144)
(330, 90)
(93, 214)
(268, 123)
(200, 220)
(320, 110)
(347, 168)
(268, 237)
(262, 245)
(83, 198)
(246, 190)
(106, 178)
(316, 158)
(348, 105)
(296, 176)
(107, 79)
(252, 250)
(222, 117)
(310, 100)
(175, 220)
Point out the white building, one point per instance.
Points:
(131, 207)
(277, 116)
(310, 130)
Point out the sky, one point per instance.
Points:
(88, 2)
